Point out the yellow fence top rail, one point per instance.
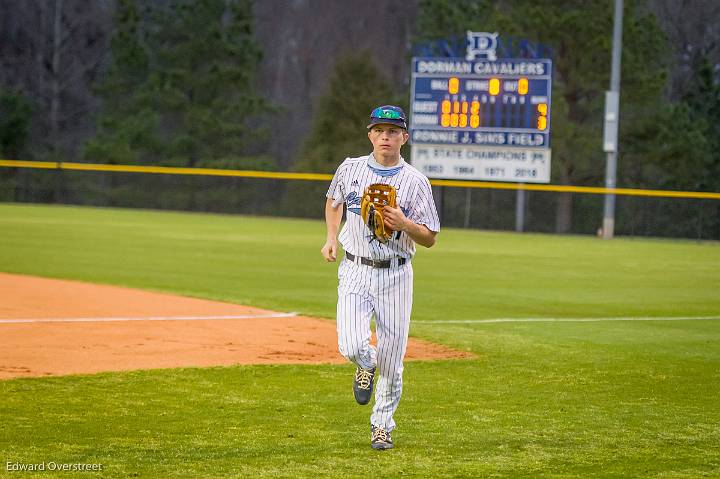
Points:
(281, 175)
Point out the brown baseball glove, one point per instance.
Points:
(376, 197)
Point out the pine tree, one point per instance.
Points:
(180, 88)
(339, 128)
(703, 100)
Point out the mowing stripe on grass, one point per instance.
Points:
(568, 320)
(147, 318)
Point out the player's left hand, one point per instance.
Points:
(395, 218)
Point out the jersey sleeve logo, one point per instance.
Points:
(353, 201)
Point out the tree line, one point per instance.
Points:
(174, 83)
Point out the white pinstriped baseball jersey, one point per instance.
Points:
(387, 293)
(414, 197)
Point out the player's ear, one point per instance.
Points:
(406, 137)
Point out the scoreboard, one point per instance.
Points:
(482, 119)
(503, 102)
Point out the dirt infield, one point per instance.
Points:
(54, 327)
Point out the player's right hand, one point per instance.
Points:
(329, 251)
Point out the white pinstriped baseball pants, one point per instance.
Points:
(386, 292)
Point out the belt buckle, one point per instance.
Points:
(376, 263)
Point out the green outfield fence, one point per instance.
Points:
(470, 204)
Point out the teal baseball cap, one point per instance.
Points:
(388, 114)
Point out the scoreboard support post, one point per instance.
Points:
(520, 210)
(468, 203)
(438, 195)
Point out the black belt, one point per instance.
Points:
(375, 263)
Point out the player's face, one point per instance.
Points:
(387, 139)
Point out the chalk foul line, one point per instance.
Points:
(292, 314)
(147, 318)
(568, 320)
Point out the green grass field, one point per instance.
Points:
(541, 399)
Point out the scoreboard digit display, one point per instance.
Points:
(502, 105)
(501, 102)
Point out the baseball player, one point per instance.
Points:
(390, 208)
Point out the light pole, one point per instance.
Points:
(612, 120)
